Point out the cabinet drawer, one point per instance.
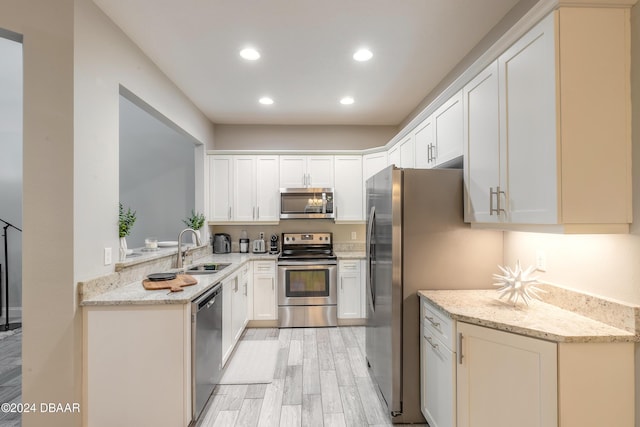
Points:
(349, 266)
(441, 325)
(262, 267)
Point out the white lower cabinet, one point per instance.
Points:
(229, 286)
(474, 376)
(505, 380)
(265, 303)
(349, 290)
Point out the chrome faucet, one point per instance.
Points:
(182, 255)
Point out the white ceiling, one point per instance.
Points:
(306, 48)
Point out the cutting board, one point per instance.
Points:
(174, 285)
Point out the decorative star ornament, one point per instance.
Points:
(517, 284)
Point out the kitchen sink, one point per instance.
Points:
(206, 268)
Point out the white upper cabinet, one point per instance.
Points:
(306, 171)
(373, 163)
(482, 165)
(424, 141)
(407, 152)
(561, 156)
(244, 188)
(448, 123)
(527, 87)
(267, 188)
(349, 200)
(393, 155)
(402, 153)
(220, 187)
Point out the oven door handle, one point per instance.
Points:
(292, 263)
(371, 257)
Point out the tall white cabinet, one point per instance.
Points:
(556, 151)
(349, 198)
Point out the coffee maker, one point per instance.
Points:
(273, 245)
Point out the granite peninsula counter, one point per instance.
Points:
(537, 320)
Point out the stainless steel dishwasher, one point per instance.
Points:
(206, 347)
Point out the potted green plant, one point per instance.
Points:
(126, 219)
(195, 221)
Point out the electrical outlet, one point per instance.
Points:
(107, 256)
(541, 260)
(261, 235)
(353, 235)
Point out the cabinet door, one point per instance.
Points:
(437, 381)
(220, 185)
(267, 188)
(349, 303)
(407, 149)
(373, 163)
(227, 317)
(239, 306)
(244, 188)
(293, 171)
(505, 380)
(424, 139)
(264, 297)
(320, 171)
(264, 291)
(448, 122)
(348, 189)
(393, 156)
(482, 147)
(527, 73)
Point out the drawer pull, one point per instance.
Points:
(434, 323)
(435, 346)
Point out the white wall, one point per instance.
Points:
(281, 137)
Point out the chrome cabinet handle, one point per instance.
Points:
(434, 345)
(434, 323)
(496, 193)
(229, 212)
(258, 212)
(460, 356)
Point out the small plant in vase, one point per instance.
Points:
(125, 223)
(195, 221)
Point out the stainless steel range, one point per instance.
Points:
(307, 277)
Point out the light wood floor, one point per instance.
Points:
(10, 375)
(321, 379)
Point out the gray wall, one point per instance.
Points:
(11, 168)
(301, 137)
(157, 178)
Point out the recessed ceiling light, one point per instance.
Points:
(265, 100)
(250, 54)
(362, 55)
(347, 100)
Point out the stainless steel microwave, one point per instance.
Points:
(307, 203)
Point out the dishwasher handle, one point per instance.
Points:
(207, 299)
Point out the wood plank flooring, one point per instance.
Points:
(10, 375)
(321, 379)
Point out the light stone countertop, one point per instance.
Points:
(538, 320)
(135, 294)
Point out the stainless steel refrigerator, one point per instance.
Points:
(416, 239)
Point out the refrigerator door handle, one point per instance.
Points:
(371, 255)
